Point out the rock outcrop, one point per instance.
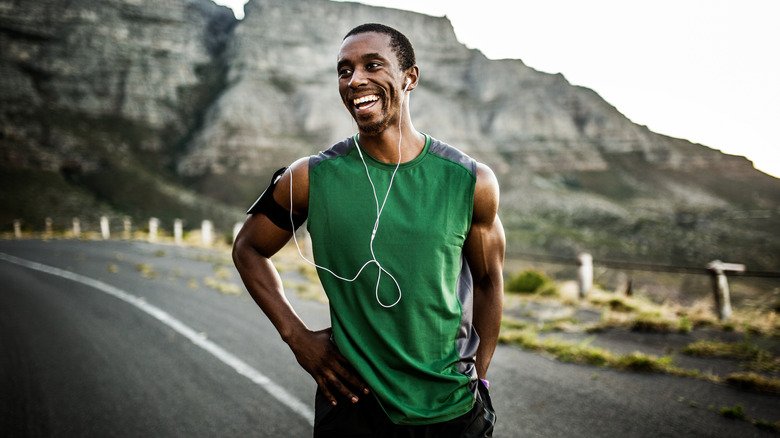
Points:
(166, 106)
(79, 75)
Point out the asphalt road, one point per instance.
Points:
(127, 339)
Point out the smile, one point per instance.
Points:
(365, 101)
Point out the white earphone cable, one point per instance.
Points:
(379, 210)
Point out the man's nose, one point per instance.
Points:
(358, 78)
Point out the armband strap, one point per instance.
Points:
(267, 205)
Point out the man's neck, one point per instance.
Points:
(384, 146)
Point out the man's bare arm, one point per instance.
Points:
(484, 249)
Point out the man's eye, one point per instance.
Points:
(373, 65)
(344, 72)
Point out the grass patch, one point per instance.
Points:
(738, 413)
(767, 425)
(222, 286)
(757, 359)
(222, 273)
(637, 361)
(754, 382)
(530, 281)
(147, 271)
(652, 322)
(584, 353)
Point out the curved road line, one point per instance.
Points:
(226, 357)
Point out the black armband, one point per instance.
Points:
(267, 205)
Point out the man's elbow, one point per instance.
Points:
(240, 248)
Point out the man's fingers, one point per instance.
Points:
(345, 391)
(318, 355)
(327, 394)
(349, 374)
(334, 383)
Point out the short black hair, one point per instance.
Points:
(398, 42)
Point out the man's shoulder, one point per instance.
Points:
(453, 154)
(337, 150)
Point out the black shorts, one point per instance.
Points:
(367, 419)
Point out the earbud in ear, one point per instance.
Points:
(408, 82)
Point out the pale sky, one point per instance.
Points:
(703, 70)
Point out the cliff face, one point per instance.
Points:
(130, 101)
(281, 102)
(79, 74)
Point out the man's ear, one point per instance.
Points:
(412, 78)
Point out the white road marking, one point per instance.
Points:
(226, 357)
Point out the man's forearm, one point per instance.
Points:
(488, 308)
(264, 285)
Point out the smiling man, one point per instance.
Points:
(409, 249)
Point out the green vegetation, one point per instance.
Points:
(533, 321)
(147, 271)
(754, 382)
(738, 413)
(583, 353)
(224, 287)
(528, 282)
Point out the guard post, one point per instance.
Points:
(720, 285)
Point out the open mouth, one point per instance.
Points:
(365, 102)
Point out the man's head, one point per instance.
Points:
(376, 66)
(398, 42)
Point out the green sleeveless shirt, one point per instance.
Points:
(409, 334)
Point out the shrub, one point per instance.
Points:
(528, 281)
(642, 362)
(648, 322)
(736, 412)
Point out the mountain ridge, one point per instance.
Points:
(133, 93)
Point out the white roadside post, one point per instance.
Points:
(207, 231)
(178, 231)
(104, 229)
(154, 223)
(76, 227)
(720, 285)
(585, 273)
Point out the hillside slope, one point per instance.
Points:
(175, 109)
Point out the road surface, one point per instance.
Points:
(131, 339)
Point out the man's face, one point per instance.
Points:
(370, 81)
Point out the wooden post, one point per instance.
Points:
(153, 224)
(18, 228)
(178, 231)
(585, 273)
(207, 230)
(720, 286)
(104, 229)
(76, 227)
(49, 230)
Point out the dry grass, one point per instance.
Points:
(526, 337)
(635, 313)
(639, 314)
(754, 382)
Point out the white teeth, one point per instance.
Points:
(365, 99)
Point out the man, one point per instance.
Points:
(409, 249)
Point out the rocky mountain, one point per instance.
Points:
(169, 108)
